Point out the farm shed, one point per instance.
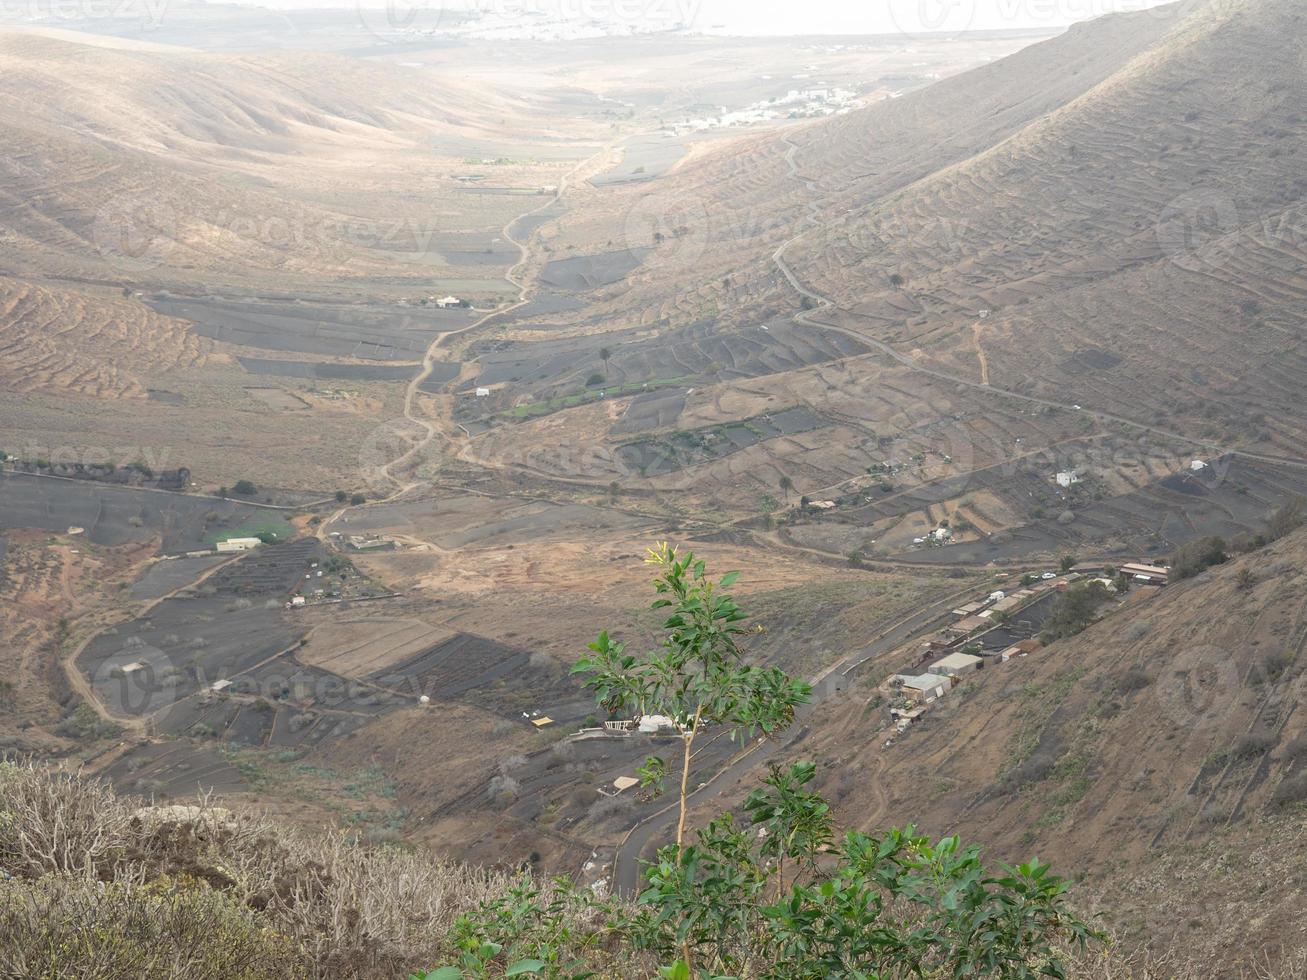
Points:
(237, 545)
(926, 687)
(1150, 573)
(957, 664)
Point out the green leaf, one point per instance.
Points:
(445, 973)
(523, 967)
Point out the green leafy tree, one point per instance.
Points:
(698, 676)
(774, 898)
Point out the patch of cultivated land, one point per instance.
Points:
(117, 515)
(359, 647)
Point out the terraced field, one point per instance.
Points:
(360, 647)
(96, 345)
(116, 515)
(362, 332)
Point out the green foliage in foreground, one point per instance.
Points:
(878, 907)
(767, 896)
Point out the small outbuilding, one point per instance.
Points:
(1153, 574)
(956, 664)
(237, 545)
(926, 687)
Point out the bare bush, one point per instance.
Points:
(96, 876)
(58, 824)
(1252, 746)
(504, 788)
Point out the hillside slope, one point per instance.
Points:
(157, 165)
(1177, 723)
(1139, 244)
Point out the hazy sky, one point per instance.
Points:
(889, 16)
(782, 16)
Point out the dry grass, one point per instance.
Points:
(95, 886)
(74, 849)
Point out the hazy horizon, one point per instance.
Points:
(781, 17)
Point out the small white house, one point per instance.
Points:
(448, 302)
(1068, 479)
(956, 664)
(1197, 466)
(652, 724)
(483, 392)
(235, 545)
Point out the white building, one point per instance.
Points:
(926, 688)
(956, 664)
(652, 724)
(234, 545)
(447, 302)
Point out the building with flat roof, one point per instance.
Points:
(926, 687)
(236, 545)
(1146, 573)
(957, 664)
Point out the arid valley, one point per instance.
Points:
(351, 367)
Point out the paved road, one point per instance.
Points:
(661, 826)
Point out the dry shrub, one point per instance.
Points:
(52, 823)
(60, 926)
(73, 848)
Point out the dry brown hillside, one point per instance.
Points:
(1161, 753)
(157, 165)
(1139, 246)
(89, 343)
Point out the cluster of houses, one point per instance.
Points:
(965, 646)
